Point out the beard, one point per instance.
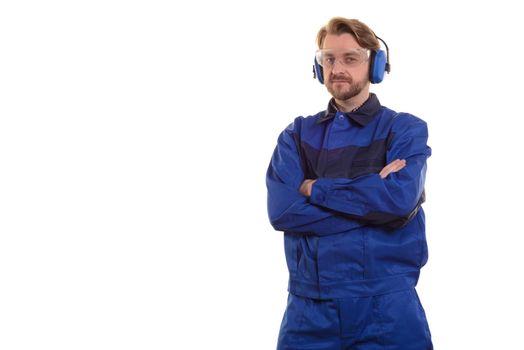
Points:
(346, 90)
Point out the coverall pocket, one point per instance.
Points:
(403, 321)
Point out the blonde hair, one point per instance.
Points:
(339, 25)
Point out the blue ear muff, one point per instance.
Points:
(317, 72)
(377, 66)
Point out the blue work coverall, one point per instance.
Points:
(355, 248)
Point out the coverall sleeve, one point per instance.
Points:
(288, 209)
(392, 201)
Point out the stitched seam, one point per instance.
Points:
(380, 339)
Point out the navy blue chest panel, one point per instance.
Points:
(346, 162)
(338, 149)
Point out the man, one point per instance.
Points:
(346, 186)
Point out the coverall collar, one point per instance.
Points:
(362, 115)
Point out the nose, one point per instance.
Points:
(337, 67)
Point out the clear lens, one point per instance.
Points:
(350, 57)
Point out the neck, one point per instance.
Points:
(353, 103)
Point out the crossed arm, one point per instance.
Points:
(327, 206)
(392, 167)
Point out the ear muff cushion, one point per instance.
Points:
(318, 72)
(377, 66)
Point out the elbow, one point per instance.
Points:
(278, 224)
(276, 219)
(406, 212)
(399, 214)
(407, 198)
(413, 202)
(273, 220)
(405, 208)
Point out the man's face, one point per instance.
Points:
(346, 66)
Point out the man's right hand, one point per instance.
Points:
(392, 167)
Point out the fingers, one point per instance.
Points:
(303, 188)
(392, 167)
(306, 186)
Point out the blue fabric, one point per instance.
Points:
(358, 235)
(394, 321)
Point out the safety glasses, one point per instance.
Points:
(347, 57)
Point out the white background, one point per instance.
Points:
(134, 140)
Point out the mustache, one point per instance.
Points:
(340, 77)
